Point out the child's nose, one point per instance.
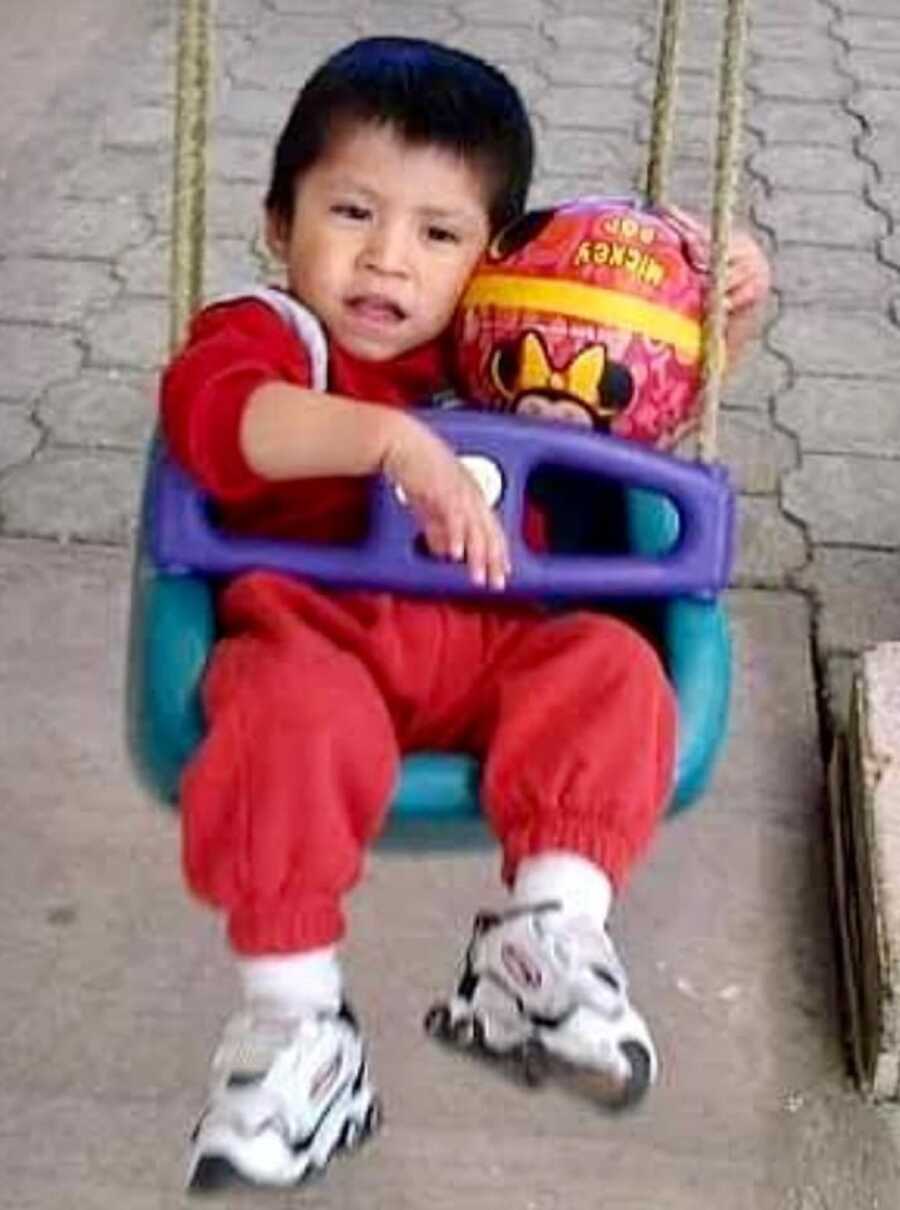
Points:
(387, 249)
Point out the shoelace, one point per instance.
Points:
(577, 942)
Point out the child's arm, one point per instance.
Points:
(292, 432)
(238, 414)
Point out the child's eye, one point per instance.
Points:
(351, 210)
(441, 235)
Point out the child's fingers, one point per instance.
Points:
(694, 234)
(487, 555)
(455, 527)
(457, 523)
(498, 563)
(745, 287)
(443, 529)
(748, 276)
(687, 223)
(437, 539)
(476, 553)
(738, 300)
(737, 288)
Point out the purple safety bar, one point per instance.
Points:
(184, 537)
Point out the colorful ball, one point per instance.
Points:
(589, 312)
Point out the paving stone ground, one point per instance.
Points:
(809, 428)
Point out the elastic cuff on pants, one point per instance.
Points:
(272, 929)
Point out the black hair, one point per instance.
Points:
(428, 94)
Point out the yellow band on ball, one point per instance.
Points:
(593, 304)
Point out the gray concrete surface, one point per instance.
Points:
(115, 985)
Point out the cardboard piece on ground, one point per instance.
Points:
(864, 814)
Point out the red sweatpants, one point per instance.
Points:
(311, 700)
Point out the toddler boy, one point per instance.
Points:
(400, 160)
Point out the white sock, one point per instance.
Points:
(287, 985)
(581, 887)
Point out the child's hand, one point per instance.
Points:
(748, 276)
(456, 519)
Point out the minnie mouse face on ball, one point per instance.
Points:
(590, 313)
(588, 391)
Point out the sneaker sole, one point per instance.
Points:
(603, 1088)
(531, 1062)
(216, 1169)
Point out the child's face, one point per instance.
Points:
(384, 237)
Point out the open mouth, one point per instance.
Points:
(376, 308)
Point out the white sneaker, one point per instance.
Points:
(285, 1095)
(548, 992)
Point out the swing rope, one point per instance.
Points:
(192, 76)
(728, 138)
(664, 95)
(725, 179)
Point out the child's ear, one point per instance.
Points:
(277, 234)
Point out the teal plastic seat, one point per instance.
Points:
(436, 803)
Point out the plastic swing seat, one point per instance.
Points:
(674, 551)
